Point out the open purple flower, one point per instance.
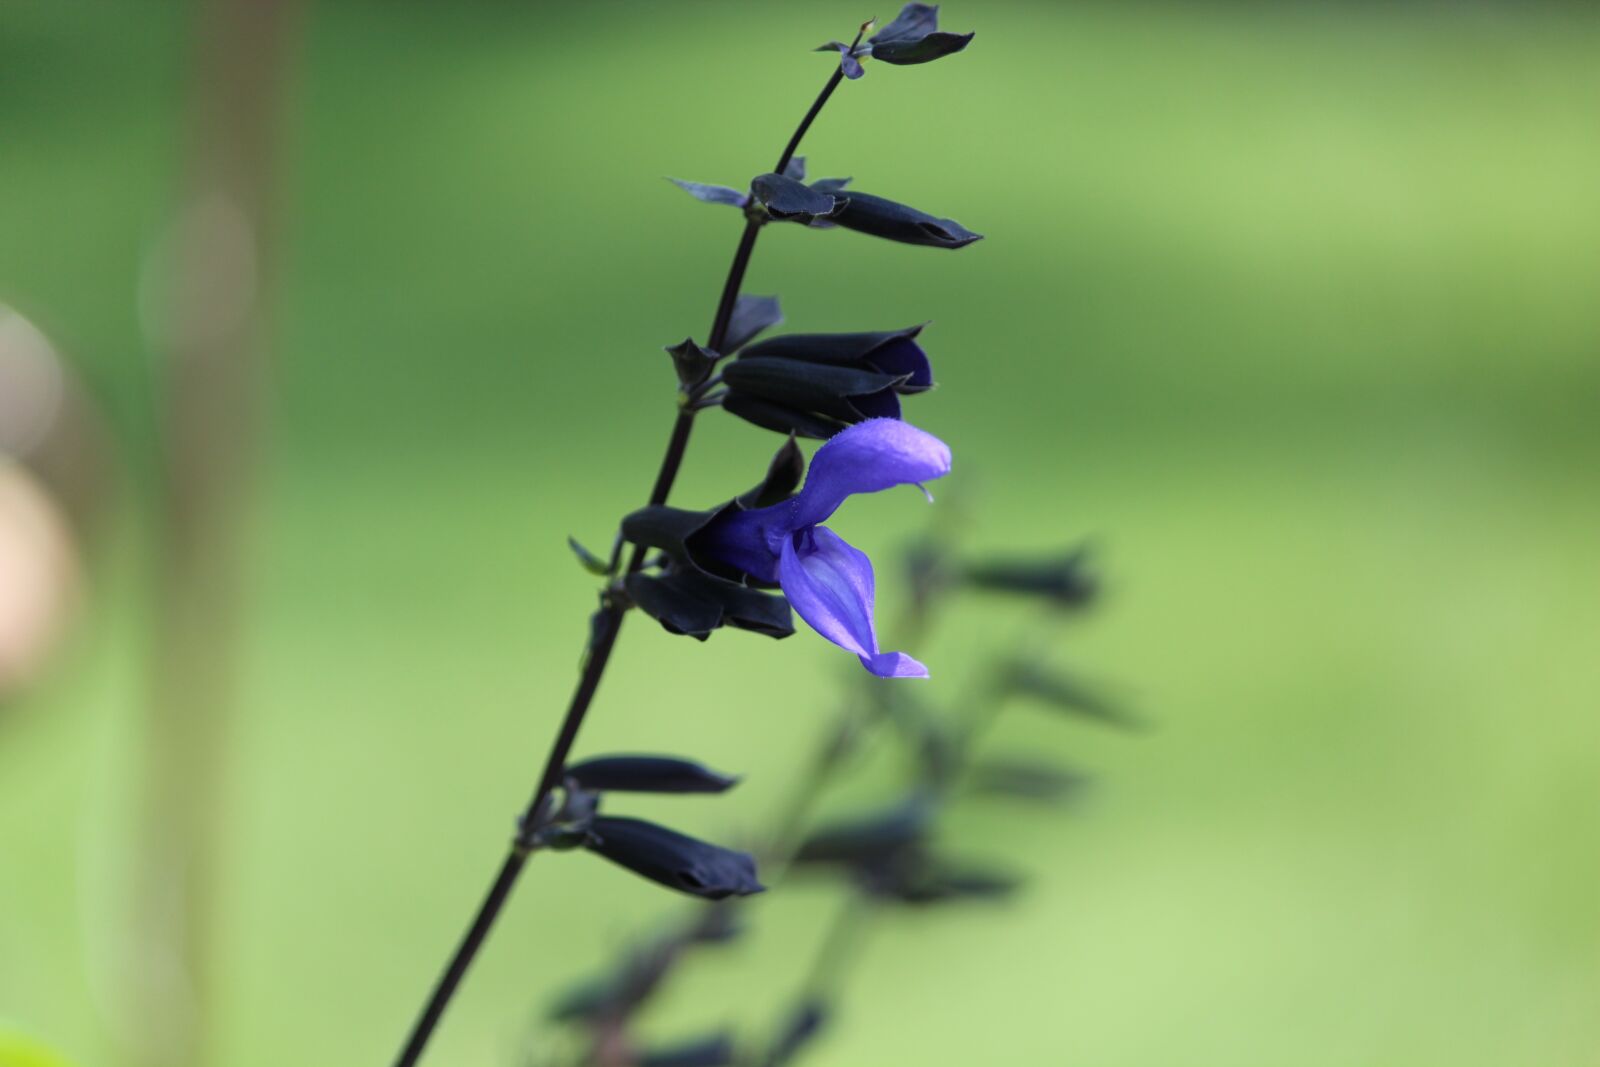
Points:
(826, 580)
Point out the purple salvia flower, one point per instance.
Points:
(826, 580)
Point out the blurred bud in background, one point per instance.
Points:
(51, 483)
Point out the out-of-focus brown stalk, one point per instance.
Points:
(215, 367)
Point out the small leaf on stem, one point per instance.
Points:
(784, 473)
(751, 315)
(711, 194)
(790, 201)
(691, 362)
(590, 562)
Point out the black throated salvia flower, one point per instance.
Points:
(696, 572)
(829, 582)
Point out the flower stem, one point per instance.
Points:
(811, 116)
(608, 623)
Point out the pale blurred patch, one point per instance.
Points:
(38, 552)
(32, 385)
(217, 301)
(38, 576)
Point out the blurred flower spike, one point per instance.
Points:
(829, 582)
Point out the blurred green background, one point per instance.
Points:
(1291, 308)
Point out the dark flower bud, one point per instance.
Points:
(788, 200)
(687, 600)
(695, 594)
(588, 999)
(938, 753)
(1066, 694)
(751, 315)
(799, 1030)
(677, 531)
(891, 352)
(928, 882)
(914, 37)
(780, 419)
(673, 859)
(665, 527)
(897, 222)
(1025, 779)
(621, 992)
(846, 394)
(816, 384)
(784, 473)
(712, 194)
(976, 883)
(713, 1051)
(926, 574)
(632, 980)
(870, 839)
(715, 925)
(1066, 581)
(849, 65)
(692, 363)
(647, 774)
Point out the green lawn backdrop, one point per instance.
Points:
(1291, 308)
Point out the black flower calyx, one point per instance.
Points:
(686, 597)
(647, 774)
(692, 363)
(1066, 580)
(894, 221)
(923, 880)
(674, 860)
(784, 474)
(814, 385)
(1025, 779)
(713, 1050)
(1065, 693)
(789, 200)
(872, 838)
(914, 37)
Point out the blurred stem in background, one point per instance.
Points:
(887, 857)
(216, 365)
(942, 755)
